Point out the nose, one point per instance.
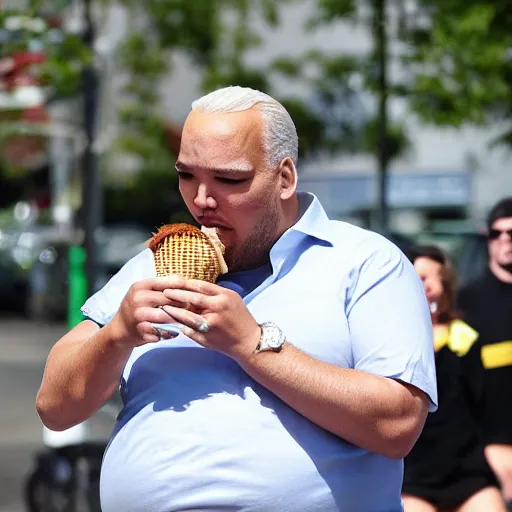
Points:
(505, 236)
(203, 200)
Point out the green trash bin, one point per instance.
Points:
(77, 293)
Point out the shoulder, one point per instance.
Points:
(102, 306)
(362, 243)
(461, 337)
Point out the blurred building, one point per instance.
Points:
(448, 172)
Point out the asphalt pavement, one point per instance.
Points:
(24, 347)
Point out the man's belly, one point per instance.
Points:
(234, 453)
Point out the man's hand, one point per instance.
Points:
(231, 329)
(140, 308)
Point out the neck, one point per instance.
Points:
(500, 273)
(291, 210)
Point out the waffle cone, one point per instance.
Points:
(185, 250)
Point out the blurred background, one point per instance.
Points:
(403, 109)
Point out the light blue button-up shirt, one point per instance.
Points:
(197, 433)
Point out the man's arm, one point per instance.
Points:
(84, 367)
(378, 414)
(377, 404)
(82, 372)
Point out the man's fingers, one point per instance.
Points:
(150, 298)
(151, 333)
(161, 283)
(148, 333)
(187, 318)
(154, 315)
(203, 287)
(195, 285)
(197, 300)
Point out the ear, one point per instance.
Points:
(288, 176)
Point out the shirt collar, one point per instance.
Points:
(313, 220)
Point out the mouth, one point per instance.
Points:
(212, 222)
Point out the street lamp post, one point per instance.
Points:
(381, 42)
(92, 204)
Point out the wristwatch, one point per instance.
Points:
(272, 338)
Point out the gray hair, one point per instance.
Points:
(280, 135)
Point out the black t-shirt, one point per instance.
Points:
(451, 435)
(486, 305)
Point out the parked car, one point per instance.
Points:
(20, 247)
(47, 288)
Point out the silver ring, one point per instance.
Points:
(203, 327)
(158, 332)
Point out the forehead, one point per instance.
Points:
(215, 139)
(503, 224)
(425, 265)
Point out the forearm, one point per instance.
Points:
(375, 413)
(82, 372)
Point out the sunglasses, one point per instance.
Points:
(494, 234)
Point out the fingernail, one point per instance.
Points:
(187, 331)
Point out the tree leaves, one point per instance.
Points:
(462, 65)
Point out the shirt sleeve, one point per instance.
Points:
(389, 318)
(104, 304)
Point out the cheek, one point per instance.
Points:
(248, 206)
(187, 192)
(494, 250)
(434, 287)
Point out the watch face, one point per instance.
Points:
(273, 336)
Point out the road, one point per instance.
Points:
(24, 347)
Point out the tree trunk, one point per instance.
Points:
(92, 193)
(381, 54)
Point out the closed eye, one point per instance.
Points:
(184, 175)
(230, 181)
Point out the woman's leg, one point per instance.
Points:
(488, 499)
(499, 457)
(414, 504)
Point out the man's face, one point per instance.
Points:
(226, 183)
(500, 244)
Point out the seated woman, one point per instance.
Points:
(446, 470)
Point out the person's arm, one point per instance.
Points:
(84, 367)
(378, 414)
(82, 372)
(378, 405)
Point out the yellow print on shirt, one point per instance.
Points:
(459, 337)
(497, 355)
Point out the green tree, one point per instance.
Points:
(340, 78)
(34, 50)
(217, 36)
(461, 55)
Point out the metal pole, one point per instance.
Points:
(92, 203)
(381, 53)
